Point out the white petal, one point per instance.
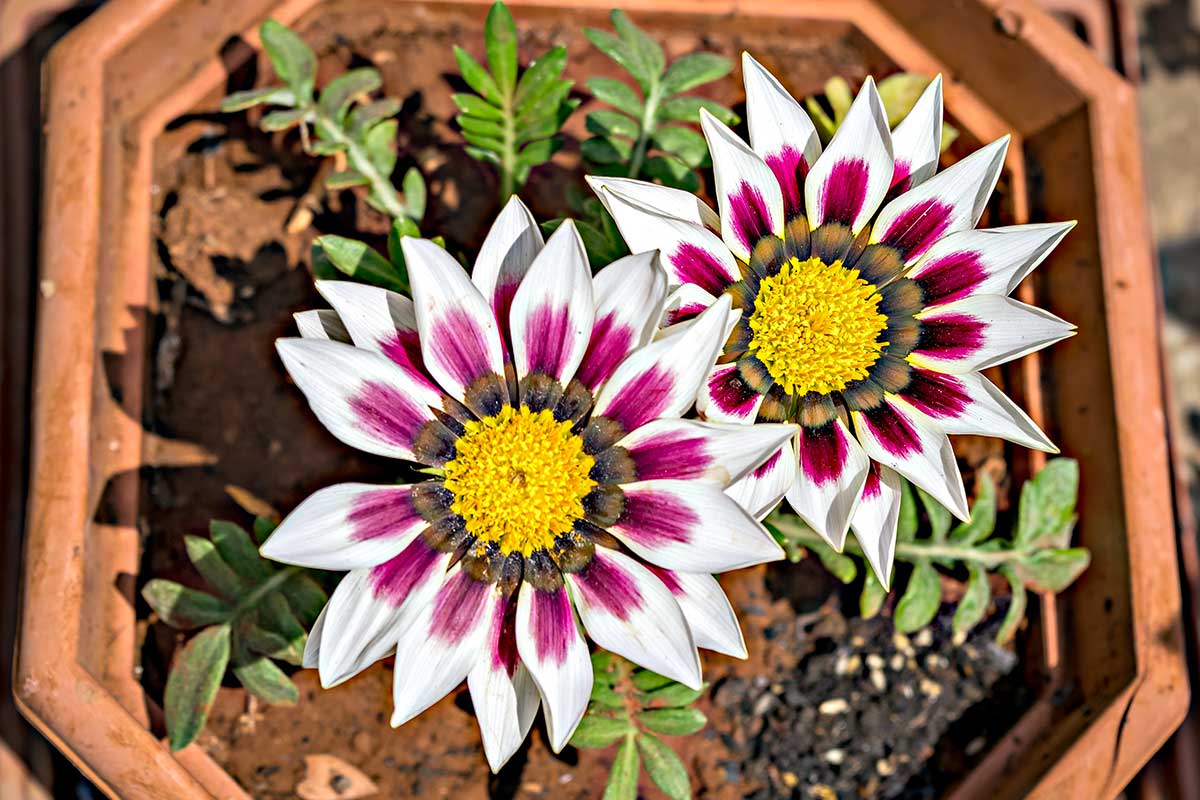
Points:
(629, 298)
(504, 696)
(664, 199)
(505, 256)
(725, 396)
(747, 192)
(713, 623)
(686, 301)
(347, 526)
(556, 654)
(983, 331)
(780, 132)
(312, 645)
(691, 526)
(761, 490)
(321, 323)
(853, 175)
(628, 611)
(970, 403)
(875, 519)
(829, 479)
(379, 320)
(686, 449)
(917, 140)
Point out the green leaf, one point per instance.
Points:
(870, 600)
(900, 93)
(294, 61)
(939, 517)
(616, 94)
(673, 721)
(346, 179)
(238, 550)
(670, 171)
(906, 527)
(480, 127)
(1047, 510)
(974, 603)
(921, 599)
(480, 154)
(264, 642)
(415, 195)
(477, 77)
(535, 154)
(263, 679)
(1016, 608)
(367, 115)
(685, 143)
(275, 615)
(546, 105)
(837, 92)
(676, 695)
(401, 227)
(263, 527)
(305, 597)
(687, 109)
(274, 95)
(380, 144)
(647, 680)
(342, 90)
(477, 107)
(983, 515)
(825, 126)
(1053, 570)
(604, 697)
(599, 150)
(500, 40)
(841, 566)
(692, 70)
(192, 684)
(597, 731)
(664, 767)
(208, 562)
(603, 668)
(622, 778)
(182, 607)
(612, 123)
(640, 50)
(541, 75)
(282, 120)
(360, 262)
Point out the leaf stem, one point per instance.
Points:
(645, 131)
(508, 159)
(800, 533)
(381, 184)
(262, 590)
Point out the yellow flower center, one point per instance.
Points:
(816, 326)
(519, 479)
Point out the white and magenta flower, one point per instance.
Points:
(868, 302)
(564, 480)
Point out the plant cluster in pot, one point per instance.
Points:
(178, 238)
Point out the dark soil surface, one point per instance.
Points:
(233, 268)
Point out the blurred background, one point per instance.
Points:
(1153, 43)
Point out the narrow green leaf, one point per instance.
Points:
(825, 126)
(622, 778)
(535, 154)
(606, 151)
(983, 515)
(645, 680)
(617, 95)
(415, 195)
(676, 695)
(673, 721)
(603, 668)
(1053, 570)
(919, 604)
(974, 603)
(906, 527)
(837, 92)
(612, 123)
(641, 49)
(263, 527)
(305, 597)
(547, 104)
(380, 144)
(282, 120)
(263, 679)
(238, 550)
(477, 107)
(900, 93)
(670, 171)
(336, 97)
(870, 600)
(540, 75)
(603, 696)
(274, 95)
(345, 179)
(320, 148)
(489, 128)
(276, 616)
(841, 566)
(685, 143)
(602, 249)
(400, 228)
(1016, 609)
(939, 517)
(367, 115)
(208, 562)
(664, 767)
(596, 731)
(484, 142)
(263, 642)
(687, 109)
(360, 262)
(294, 61)
(500, 39)
(694, 69)
(192, 684)
(477, 77)
(480, 154)
(182, 607)
(1048, 502)
(618, 51)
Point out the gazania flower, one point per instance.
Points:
(869, 302)
(563, 480)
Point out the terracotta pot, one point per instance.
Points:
(1111, 645)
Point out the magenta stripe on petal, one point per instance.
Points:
(694, 264)
(460, 346)
(404, 348)
(502, 637)
(894, 432)
(381, 513)
(657, 519)
(951, 277)
(901, 172)
(458, 608)
(768, 465)
(951, 337)
(553, 624)
(546, 339)
(685, 312)
(393, 580)
(386, 412)
(669, 579)
(730, 392)
(502, 299)
(873, 488)
(611, 341)
(790, 168)
(670, 455)
(845, 191)
(605, 586)
(643, 398)
(822, 453)
(749, 215)
(939, 396)
(918, 227)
